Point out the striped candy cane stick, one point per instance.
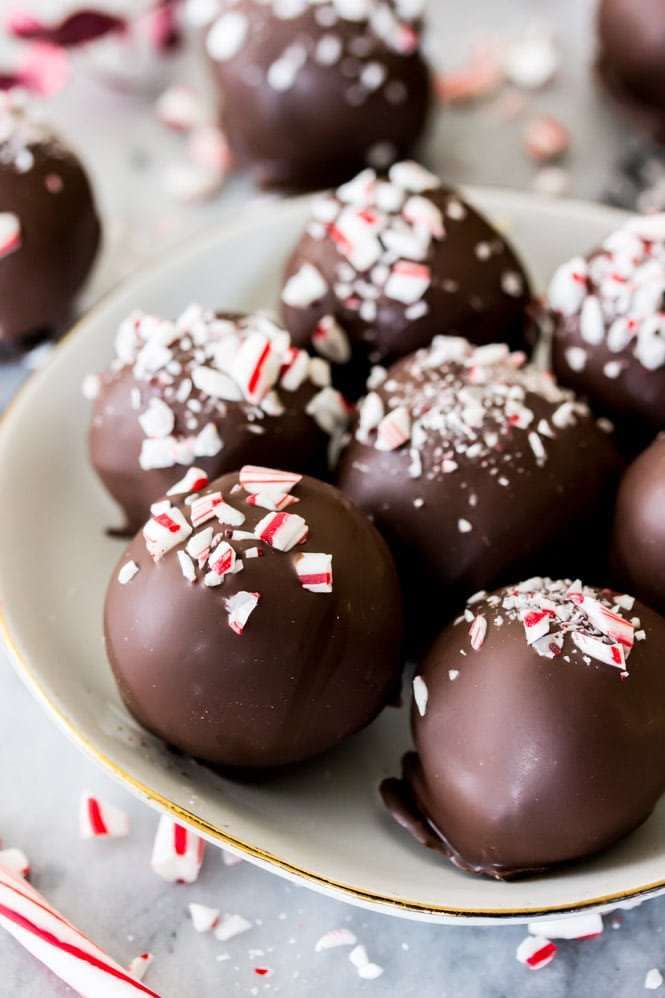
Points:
(59, 945)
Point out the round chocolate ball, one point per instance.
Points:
(210, 392)
(475, 469)
(539, 725)
(609, 327)
(632, 49)
(49, 229)
(313, 90)
(388, 262)
(638, 543)
(256, 623)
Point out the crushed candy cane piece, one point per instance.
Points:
(97, 819)
(255, 479)
(570, 927)
(15, 860)
(330, 340)
(127, 572)
(194, 480)
(335, 938)
(139, 965)
(477, 632)
(165, 531)
(536, 952)
(177, 854)
(10, 233)
(394, 429)
(203, 918)
(420, 694)
(366, 969)
(239, 608)
(281, 530)
(653, 979)
(305, 287)
(315, 572)
(231, 926)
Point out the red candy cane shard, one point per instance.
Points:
(204, 508)
(203, 918)
(98, 819)
(315, 572)
(394, 430)
(10, 233)
(536, 624)
(271, 499)
(408, 282)
(477, 632)
(177, 853)
(139, 965)
(536, 952)
(222, 559)
(59, 945)
(239, 608)
(256, 367)
(256, 479)
(164, 532)
(612, 654)
(195, 480)
(281, 530)
(609, 623)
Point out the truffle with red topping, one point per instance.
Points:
(539, 727)
(256, 622)
(206, 391)
(638, 545)
(313, 90)
(609, 335)
(49, 229)
(389, 261)
(475, 467)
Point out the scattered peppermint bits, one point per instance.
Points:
(239, 609)
(420, 694)
(536, 952)
(127, 572)
(335, 938)
(616, 296)
(231, 926)
(367, 970)
(653, 979)
(315, 572)
(561, 620)
(97, 819)
(140, 964)
(203, 918)
(570, 927)
(177, 853)
(10, 233)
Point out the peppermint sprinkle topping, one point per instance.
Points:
(127, 572)
(420, 694)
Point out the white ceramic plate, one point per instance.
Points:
(323, 825)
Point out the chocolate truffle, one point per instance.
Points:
(49, 230)
(609, 335)
(638, 546)
(256, 623)
(632, 50)
(473, 466)
(386, 263)
(313, 90)
(539, 725)
(206, 390)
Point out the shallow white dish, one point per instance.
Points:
(323, 825)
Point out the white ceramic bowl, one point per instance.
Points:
(324, 824)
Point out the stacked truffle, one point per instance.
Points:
(389, 261)
(313, 90)
(219, 390)
(49, 230)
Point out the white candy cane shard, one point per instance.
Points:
(164, 532)
(281, 530)
(204, 508)
(10, 233)
(230, 858)
(15, 860)
(330, 340)
(158, 419)
(536, 952)
(315, 572)
(408, 282)
(571, 927)
(569, 287)
(97, 819)
(477, 632)
(328, 410)
(73, 957)
(127, 572)
(227, 36)
(536, 624)
(203, 918)
(193, 481)
(609, 623)
(271, 499)
(216, 384)
(294, 370)
(595, 648)
(239, 608)
(208, 443)
(412, 177)
(335, 938)
(139, 965)
(177, 854)
(157, 452)
(256, 367)
(420, 694)
(305, 287)
(366, 969)
(256, 479)
(222, 560)
(231, 926)
(423, 213)
(653, 979)
(229, 515)
(394, 429)
(186, 566)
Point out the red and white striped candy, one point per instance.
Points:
(271, 499)
(304, 287)
(193, 481)
(412, 177)
(10, 233)
(165, 531)
(315, 572)
(477, 632)
(354, 234)
(595, 648)
(609, 622)
(177, 854)
(256, 367)
(330, 340)
(420, 694)
(139, 965)
(536, 952)
(394, 429)
(568, 287)
(222, 559)
(295, 367)
(256, 479)
(536, 624)
(203, 918)
(98, 819)
(335, 938)
(423, 213)
(16, 861)
(329, 410)
(240, 607)
(570, 927)
(281, 530)
(205, 508)
(408, 282)
(59, 945)
(229, 515)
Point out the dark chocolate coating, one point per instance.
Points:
(632, 49)
(60, 234)
(524, 762)
(311, 134)
(553, 517)
(309, 669)
(465, 298)
(638, 543)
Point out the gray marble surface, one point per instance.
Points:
(107, 887)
